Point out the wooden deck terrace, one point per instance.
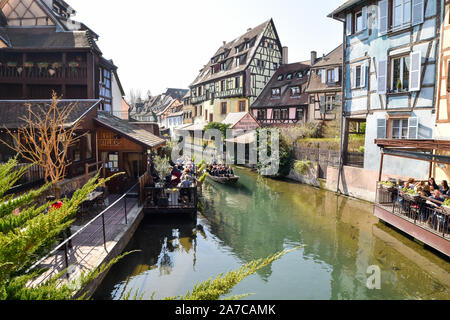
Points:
(97, 242)
(427, 224)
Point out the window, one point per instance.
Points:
(358, 21)
(105, 90)
(330, 76)
(260, 63)
(223, 108)
(358, 76)
(330, 103)
(289, 76)
(399, 129)
(400, 74)
(312, 99)
(113, 161)
(280, 77)
(276, 92)
(276, 114)
(284, 114)
(295, 91)
(262, 114)
(401, 13)
(222, 66)
(299, 75)
(241, 106)
(275, 66)
(299, 115)
(237, 82)
(222, 85)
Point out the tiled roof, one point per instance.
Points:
(265, 99)
(333, 59)
(49, 38)
(11, 111)
(255, 33)
(346, 5)
(130, 131)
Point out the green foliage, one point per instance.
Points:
(301, 167)
(27, 234)
(203, 177)
(286, 155)
(219, 126)
(446, 203)
(362, 149)
(162, 166)
(302, 131)
(389, 184)
(213, 289)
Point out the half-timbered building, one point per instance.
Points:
(391, 50)
(284, 100)
(237, 73)
(43, 50)
(324, 86)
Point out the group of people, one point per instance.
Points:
(429, 189)
(219, 170)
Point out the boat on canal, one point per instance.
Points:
(224, 180)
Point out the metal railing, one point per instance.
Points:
(170, 198)
(424, 212)
(73, 251)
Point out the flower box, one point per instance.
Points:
(28, 64)
(11, 64)
(56, 65)
(42, 65)
(74, 64)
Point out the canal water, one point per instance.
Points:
(258, 217)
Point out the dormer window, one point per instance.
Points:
(276, 92)
(295, 91)
(289, 76)
(299, 75)
(280, 77)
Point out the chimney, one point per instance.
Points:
(313, 57)
(224, 43)
(285, 55)
(249, 29)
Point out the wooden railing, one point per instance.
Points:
(63, 72)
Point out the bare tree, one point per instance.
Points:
(45, 139)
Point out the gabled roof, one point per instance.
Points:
(265, 99)
(130, 131)
(332, 59)
(233, 118)
(11, 111)
(254, 34)
(344, 7)
(176, 93)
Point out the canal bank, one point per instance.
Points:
(259, 217)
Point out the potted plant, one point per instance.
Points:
(162, 167)
(28, 64)
(410, 194)
(399, 85)
(388, 185)
(11, 64)
(446, 205)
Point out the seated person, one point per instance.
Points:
(433, 185)
(445, 190)
(437, 196)
(176, 176)
(185, 185)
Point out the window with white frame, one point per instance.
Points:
(399, 129)
(295, 91)
(276, 92)
(358, 22)
(330, 103)
(330, 75)
(401, 13)
(358, 76)
(400, 73)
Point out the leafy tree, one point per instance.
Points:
(219, 126)
(27, 233)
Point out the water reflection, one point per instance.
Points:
(259, 217)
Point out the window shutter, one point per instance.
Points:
(418, 11)
(324, 75)
(353, 77)
(363, 74)
(349, 24)
(381, 128)
(322, 104)
(382, 76)
(364, 18)
(416, 68)
(413, 128)
(336, 74)
(383, 16)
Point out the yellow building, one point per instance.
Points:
(236, 74)
(442, 131)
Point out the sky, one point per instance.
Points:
(164, 44)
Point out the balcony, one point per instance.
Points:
(422, 218)
(38, 72)
(198, 99)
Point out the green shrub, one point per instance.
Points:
(301, 167)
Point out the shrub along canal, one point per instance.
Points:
(259, 217)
